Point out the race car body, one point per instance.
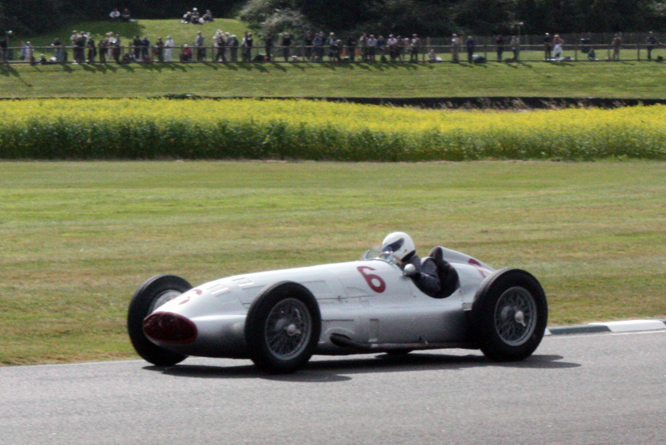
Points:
(280, 318)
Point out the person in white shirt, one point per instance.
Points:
(168, 49)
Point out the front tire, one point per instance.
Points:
(282, 328)
(509, 314)
(152, 294)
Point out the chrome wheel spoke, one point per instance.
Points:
(514, 316)
(288, 328)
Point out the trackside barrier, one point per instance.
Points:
(294, 54)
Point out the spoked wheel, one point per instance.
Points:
(510, 313)
(282, 328)
(152, 294)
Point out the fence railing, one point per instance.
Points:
(320, 54)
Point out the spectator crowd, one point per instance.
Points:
(314, 47)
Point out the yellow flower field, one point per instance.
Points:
(300, 129)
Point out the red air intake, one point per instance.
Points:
(166, 327)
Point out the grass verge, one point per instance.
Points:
(79, 237)
(642, 80)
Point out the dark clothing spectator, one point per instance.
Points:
(136, 43)
(470, 44)
(92, 50)
(651, 41)
(414, 49)
(145, 49)
(200, 48)
(318, 47)
(246, 44)
(101, 46)
(159, 50)
(286, 43)
(499, 45)
(351, 47)
(233, 48)
(547, 47)
(268, 44)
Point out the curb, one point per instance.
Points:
(611, 326)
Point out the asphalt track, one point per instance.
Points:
(577, 389)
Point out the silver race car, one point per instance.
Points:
(280, 318)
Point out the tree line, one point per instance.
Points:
(425, 17)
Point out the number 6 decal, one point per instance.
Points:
(375, 282)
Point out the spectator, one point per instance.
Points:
(455, 48)
(196, 17)
(308, 43)
(57, 44)
(186, 54)
(24, 51)
(169, 45)
(114, 16)
(233, 47)
(136, 48)
(515, 47)
(591, 55)
(363, 46)
(79, 48)
(158, 50)
(651, 42)
(246, 46)
(330, 42)
(102, 48)
(336, 49)
(199, 45)
(92, 49)
(371, 44)
(499, 45)
(548, 47)
(145, 49)
(617, 44)
(351, 47)
(286, 43)
(207, 17)
(318, 47)
(116, 47)
(30, 53)
(414, 48)
(433, 57)
(4, 49)
(381, 48)
(392, 47)
(220, 44)
(126, 16)
(470, 44)
(187, 17)
(558, 48)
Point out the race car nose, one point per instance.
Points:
(166, 327)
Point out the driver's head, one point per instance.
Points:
(400, 244)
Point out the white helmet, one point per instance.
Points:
(400, 244)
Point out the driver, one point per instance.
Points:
(404, 251)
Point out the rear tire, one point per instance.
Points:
(282, 328)
(509, 315)
(152, 294)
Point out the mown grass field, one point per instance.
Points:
(77, 238)
(609, 80)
